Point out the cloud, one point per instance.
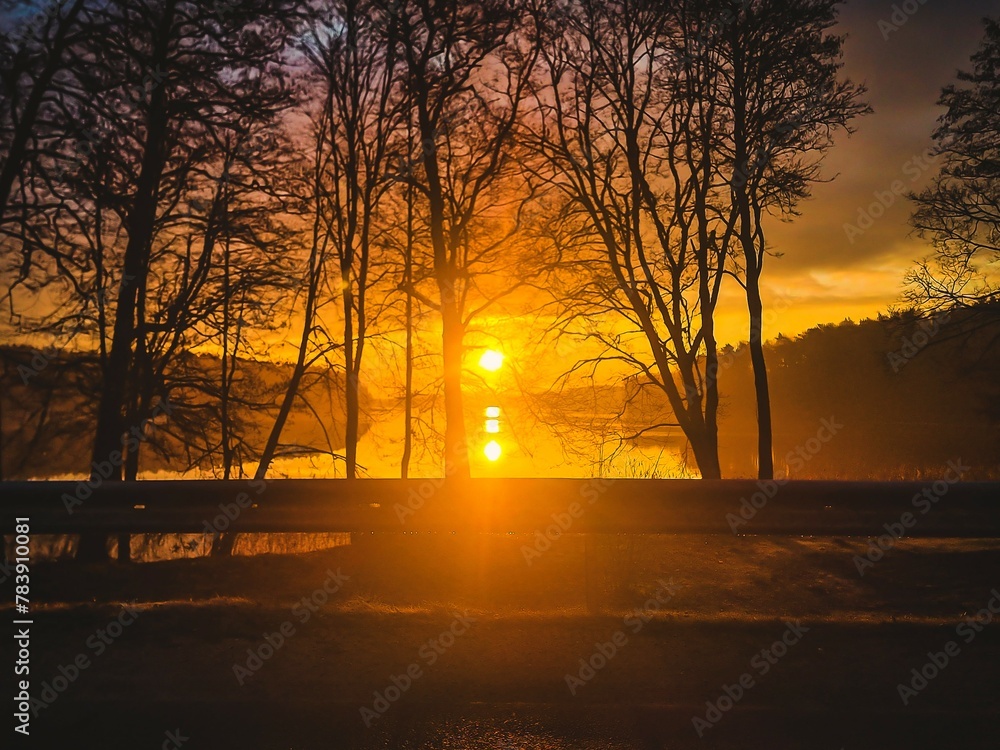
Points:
(905, 75)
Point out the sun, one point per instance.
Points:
(491, 361)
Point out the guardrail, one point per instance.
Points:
(600, 505)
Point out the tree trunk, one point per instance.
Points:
(314, 280)
(456, 449)
(706, 455)
(352, 387)
(702, 433)
(141, 218)
(284, 410)
(124, 548)
(711, 468)
(753, 258)
(351, 401)
(765, 450)
(404, 469)
(222, 543)
(92, 548)
(224, 382)
(707, 295)
(456, 452)
(140, 227)
(131, 474)
(408, 365)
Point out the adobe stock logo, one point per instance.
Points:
(429, 653)
(937, 661)
(761, 664)
(923, 502)
(604, 652)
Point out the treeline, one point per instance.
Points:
(343, 177)
(48, 403)
(339, 182)
(912, 394)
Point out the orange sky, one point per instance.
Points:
(825, 275)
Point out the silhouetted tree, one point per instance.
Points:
(125, 175)
(465, 72)
(960, 212)
(625, 128)
(32, 54)
(355, 59)
(778, 68)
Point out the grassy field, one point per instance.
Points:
(690, 615)
(716, 577)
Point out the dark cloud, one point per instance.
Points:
(904, 69)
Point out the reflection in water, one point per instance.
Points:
(525, 451)
(157, 547)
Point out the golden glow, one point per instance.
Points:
(491, 361)
(493, 412)
(492, 451)
(493, 426)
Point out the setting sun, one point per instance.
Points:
(491, 361)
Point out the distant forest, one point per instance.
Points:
(911, 392)
(47, 403)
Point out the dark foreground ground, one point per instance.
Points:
(489, 640)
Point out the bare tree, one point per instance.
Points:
(354, 57)
(206, 67)
(778, 77)
(121, 204)
(465, 76)
(625, 130)
(960, 212)
(228, 293)
(33, 55)
(315, 344)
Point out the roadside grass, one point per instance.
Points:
(715, 577)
